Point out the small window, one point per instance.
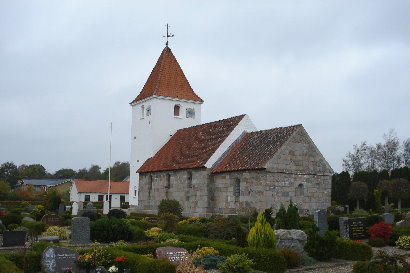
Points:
(299, 191)
(237, 189)
(148, 112)
(189, 180)
(168, 182)
(135, 191)
(87, 197)
(100, 198)
(177, 109)
(142, 111)
(122, 198)
(150, 182)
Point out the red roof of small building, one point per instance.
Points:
(101, 186)
(191, 147)
(168, 80)
(255, 149)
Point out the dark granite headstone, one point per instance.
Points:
(14, 237)
(58, 260)
(61, 209)
(172, 254)
(151, 220)
(320, 217)
(100, 269)
(80, 230)
(357, 228)
(51, 220)
(89, 206)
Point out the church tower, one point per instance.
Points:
(165, 104)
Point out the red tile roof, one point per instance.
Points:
(101, 186)
(191, 147)
(167, 79)
(255, 149)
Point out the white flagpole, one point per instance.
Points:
(109, 167)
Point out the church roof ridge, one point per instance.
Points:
(167, 80)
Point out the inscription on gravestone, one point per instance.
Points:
(59, 260)
(173, 254)
(51, 220)
(357, 228)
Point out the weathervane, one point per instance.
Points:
(168, 35)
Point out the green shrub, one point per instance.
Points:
(139, 216)
(320, 247)
(292, 257)
(8, 266)
(223, 228)
(209, 262)
(236, 263)
(137, 234)
(11, 218)
(34, 227)
(125, 205)
(144, 225)
(38, 212)
(360, 212)
(2, 228)
(195, 229)
(261, 234)
(162, 237)
(170, 206)
(52, 200)
(66, 218)
(376, 242)
(168, 222)
(56, 231)
(288, 219)
(268, 216)
(28, 262)
(106, 230)
(40, 246)
(373, 219)
(117, 213)
(398, 232)
(13, 227)
(307, 260)
(352, 251)
(90, 214)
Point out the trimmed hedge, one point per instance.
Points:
(352, 251)
(195, 229)
(34, 227)
(144, 225)
(29, 262)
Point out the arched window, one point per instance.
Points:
(177, 110)
(149, 186)
(189, 180)
(142, 111)
(299, 191)
(237, 188)
(168, 182)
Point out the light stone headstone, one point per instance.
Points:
(59, 260)
(80, 230)
(388, 218)
(294, 239)
(74, 210)
(100, 269)
(320, 217)
(106, 207)
(173, 254)
(80, 205)
(344, 227)
(29, 219)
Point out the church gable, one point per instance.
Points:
(299, 155)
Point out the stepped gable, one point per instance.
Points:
(101, 186)
(255, 149)
(191, 147)
(167, 80)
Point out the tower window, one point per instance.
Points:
(189, 180)
(168, 182)
(142, 111)
(135, 191)
(149, 186)
(237, 189)
(177, 110)
(148, 111)
(299, 190)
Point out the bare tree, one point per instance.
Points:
(388, 153)
(355, 161)
(406, 152)
(358, 190)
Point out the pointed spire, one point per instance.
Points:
(167, 80)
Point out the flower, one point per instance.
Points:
(120, 259)
(113, 269)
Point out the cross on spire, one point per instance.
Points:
(169, 35)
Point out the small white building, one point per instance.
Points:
(97, 190)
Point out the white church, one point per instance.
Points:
(220, 167)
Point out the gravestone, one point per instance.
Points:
(80, 205)
(151, 220)
(357, 228)
(100, 269)
(320, 217)
(14, 237)
(58, 260)
(291, 238)
(80, 230)
(89, 206)
(388, 217)
(51, 239)
(74, 210)
(3, 211)
(29, 219)
(344, 227)
(173, 254)
(106, 207)
(61, 209)
(51, 220)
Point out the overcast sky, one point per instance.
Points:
(69, 68)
